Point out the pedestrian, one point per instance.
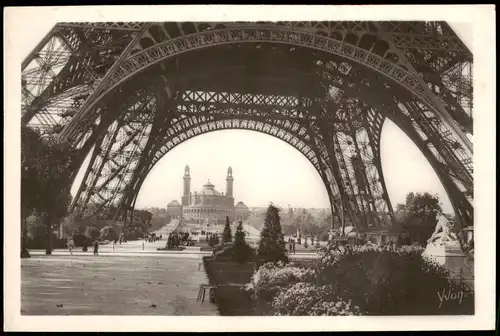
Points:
(96, 247)
(293, 246)
(70, 246)
(84, 249)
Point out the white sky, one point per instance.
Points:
(266, 169)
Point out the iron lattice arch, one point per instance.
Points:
(130, 92)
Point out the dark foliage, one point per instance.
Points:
(241, 251)
(108, 233)
(46, 171)
(272, 244)
(92, 232)
(213, 240)
(418, 216)
(227, 235)
(387, 281)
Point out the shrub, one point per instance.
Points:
(272, 244)
(324, 236)
(108, 233)
(308, 299)
(169, 243)
(390, 281)
(133, 233)
(213, 240)
(241, 251)
(227, 235)
(92, 232)
(271, 278)
(80, 239)
(221, 250)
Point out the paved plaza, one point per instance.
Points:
(131, 278)
(137, 284)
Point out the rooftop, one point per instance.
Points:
(209, 189)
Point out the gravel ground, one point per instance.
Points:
(112, 285)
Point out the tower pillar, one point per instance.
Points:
(229, 182)
(187, 181)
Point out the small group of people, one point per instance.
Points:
(153, 238)
(176, 239)
(71, 246)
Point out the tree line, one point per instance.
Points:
(47, 168)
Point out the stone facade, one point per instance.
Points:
(208, 207)
(241, 212)
(174, 210)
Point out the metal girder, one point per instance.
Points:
(88, 84)
(172, 47)
(122, 26)
(60, 73)
(119, 189)
(434, 102)
(424, 35)
(461, 199)
(200, 112)
(101, 85)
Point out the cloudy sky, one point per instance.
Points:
(266, 169)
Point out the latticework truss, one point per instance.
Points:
(134, 91)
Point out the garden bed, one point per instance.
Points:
(205, 248)
(230, 277)
(180, 248)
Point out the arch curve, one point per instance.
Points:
(157, 53)
(352, 114)
(297, 136)
(301, 145)
(104, 64)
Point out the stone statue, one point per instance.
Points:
(442, 233)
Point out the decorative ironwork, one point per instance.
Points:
(170, 48)
(77, 85)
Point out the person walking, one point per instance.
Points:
(70, 246)
(96, 247)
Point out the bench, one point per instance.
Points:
(204, 287)
(203, 290)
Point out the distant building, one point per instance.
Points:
(241, 212)
(174, 210)
(207, 207)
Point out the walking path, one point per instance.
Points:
(100, 285)
(144, 248)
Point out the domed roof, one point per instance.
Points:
(208, 185)
(241, 205)
(173, 204)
